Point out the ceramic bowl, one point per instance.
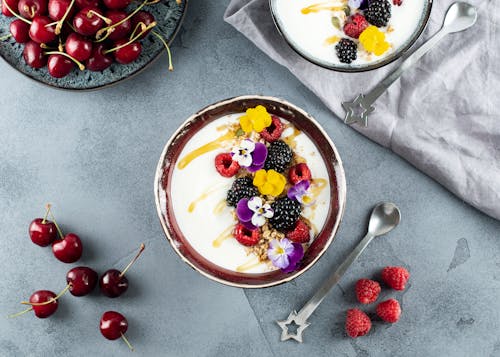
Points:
(170, 155)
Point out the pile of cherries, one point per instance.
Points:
(80, 280)
(89, 33)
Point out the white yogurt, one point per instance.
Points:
(202, 226)
(308, 32)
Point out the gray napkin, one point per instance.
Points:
(443, 115)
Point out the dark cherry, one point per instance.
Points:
(146, 18)
(116, 4)
(69, 249)
(20, 30)
(12, 4)
(42, 232)
(82, 280)
(60, 66)
(128, 53)
(98, 60)
(82, 4)
(113, 284)
(113, 325)
(78, 47)
(41, 296)
(57, 9)
(87, 24)
(33, 55)
(122, 30)
(40, 32)
(29, 9)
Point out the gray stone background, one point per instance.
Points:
(93, 155)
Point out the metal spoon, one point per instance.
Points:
(385, 216)
(459, 17)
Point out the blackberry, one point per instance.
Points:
(347, 50)
(279, 156)
(286, 214)
(378, 12)
(242, 188)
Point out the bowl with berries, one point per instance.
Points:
(87, 44)
(250, 191)
(351, 35)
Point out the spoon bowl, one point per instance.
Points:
(459, 17)
(385, 217)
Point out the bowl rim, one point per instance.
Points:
(397, 55)
(341, 187)
(111, 84)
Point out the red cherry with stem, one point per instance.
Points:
(127, 52)
(98, 60)
(43, 303)
(82, 280)
(78, 47)
(113, 325)
(69, 248)
(33, 55)
(82, 4)
(10, 3)
(116, 4)
(57, 9)
(123, 29)
(86, 22)
(142, 18)
(113, 283)
(20, 31)
(58, 67)
(29, 9)
(42, 231)
(40, 32)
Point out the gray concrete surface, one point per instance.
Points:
(93, 156)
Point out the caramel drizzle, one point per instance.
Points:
(329, 5)
(226, 234)
(252, 263)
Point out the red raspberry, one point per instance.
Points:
(395, 277)
(367, 291)
(299, 172)
(273, 132)
(225, 165)
(389, 310)
(354, 25)
(246, 236)
(300, 234)
(357, 323)
(397, 2)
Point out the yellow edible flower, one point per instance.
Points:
(269, 182)
(373, 40)
(255, 119)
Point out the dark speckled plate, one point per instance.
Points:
(168, 15)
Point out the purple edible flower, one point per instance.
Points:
(253, 212)
(285, 254)
(250, 155)
(299, 192)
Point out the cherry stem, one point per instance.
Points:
(3, 38)
(103, 18)
(141, 249)
(142, 25)
(32, 9)
(105, 29)
(170, 66)
(57, 226)
(79, 64)
(4, 3)
(47, 210)
(126, 341)
(50, 301)
(20, 313)
(60, 23)
(150, 26)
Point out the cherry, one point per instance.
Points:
(42, 231)
(113, 325)
(86, 22)
(78, 47)
(40, 32)
(99, 61)
(82, 280)
(43, 303)
(123, 29)
(145, 18)
(116, 4)
(30, 9)
(113, 283)
(20, 31)
(82, 4)
(127, 52)
(10, 3)
(58, 8)
(69, 248)
(33, 55)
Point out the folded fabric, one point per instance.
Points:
(443, 115)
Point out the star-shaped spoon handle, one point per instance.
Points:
(459, 17)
